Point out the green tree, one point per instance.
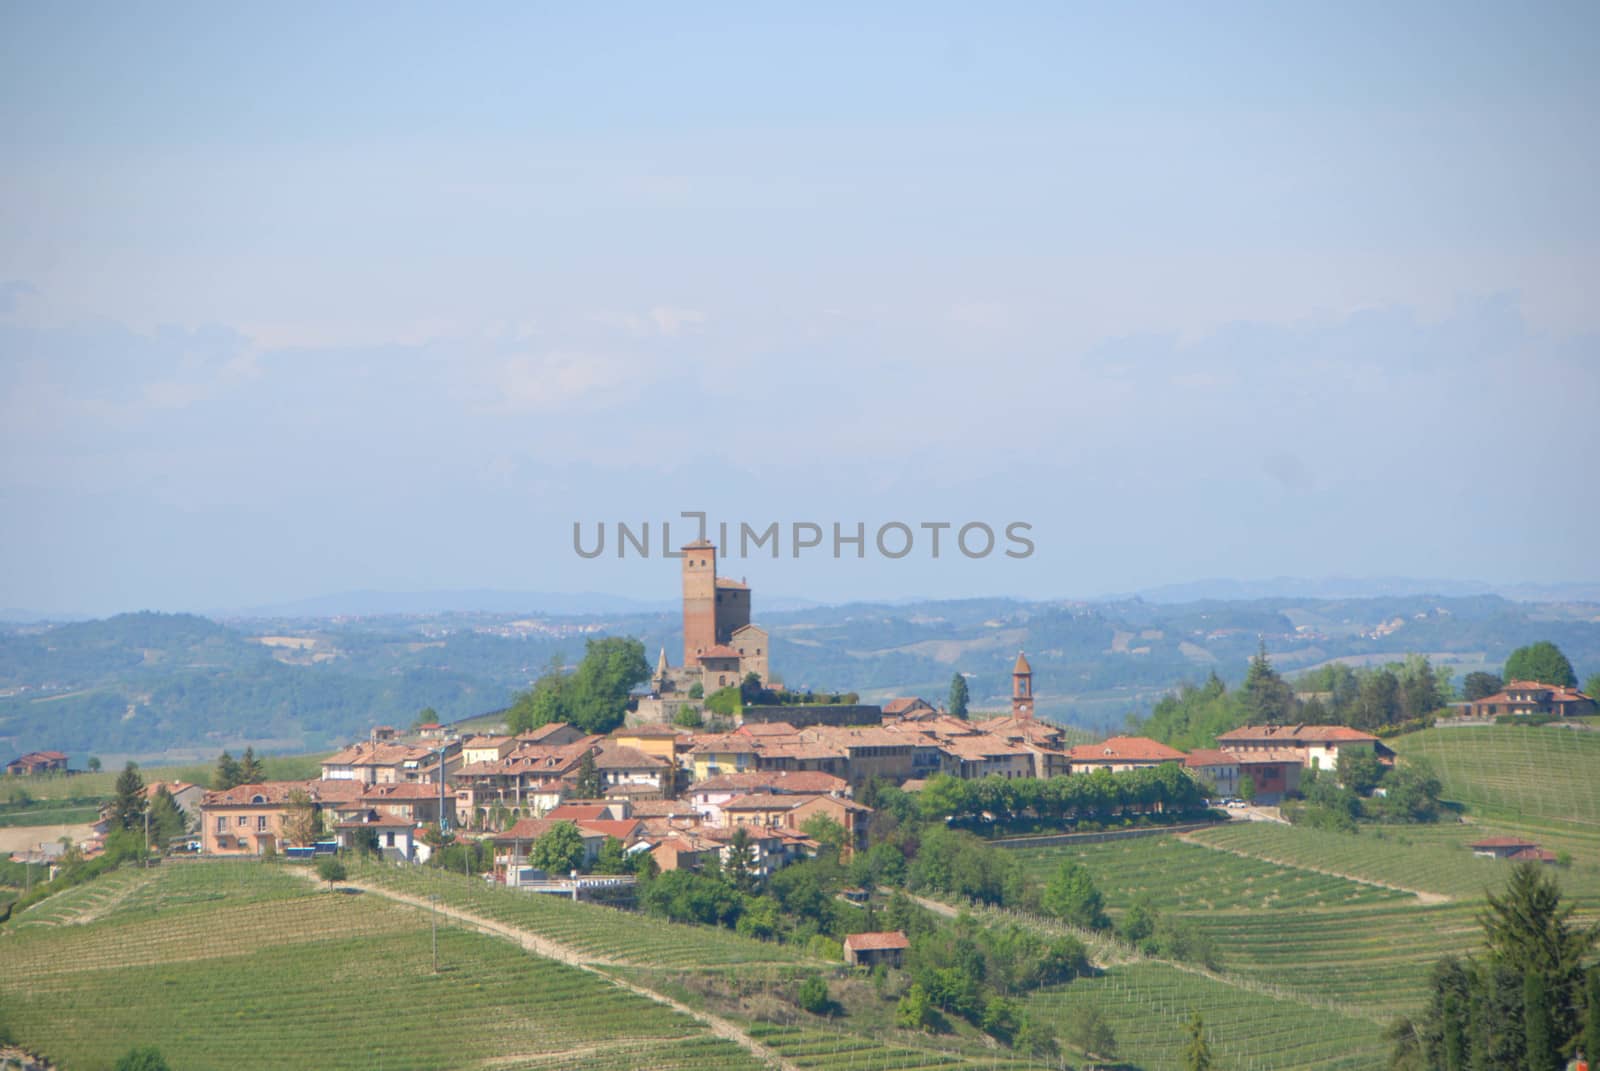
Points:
(813, 996)
(1528, 930)
(688, 717)
(1196, 1051)
(1591, 688)
(738, 869)
(1591, 1015)
(425, 716)
(826, 832)
(330, 870)
(915, 1011)
(94, 764)
(1088, 1030)
(724, 701)
(697, 690)
(594, 697)
(127, 809)
(226, 775)
(251, 772)
(1247, 788)
(560, 850)
(1538, 1031)
(1140, 921)
(588, 783)
(145, 1059)
(1542, 662)
(612, 858)
(1476, 686)
(166, 820)
(1268, 699)
(1071, 895)
(959, 696)
(1359, 770)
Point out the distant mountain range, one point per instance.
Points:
(591, 603)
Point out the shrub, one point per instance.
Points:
(331, 870)
(813, 996)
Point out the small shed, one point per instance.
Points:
(870, 949)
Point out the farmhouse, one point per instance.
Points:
(1219, 769)
(870, 949)
(38, 762)
(250, 819)
(1318, 746)
(1502, 847)
(1532, 698)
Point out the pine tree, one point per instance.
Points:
(226, 775)
(589, 786)
(959, 696)
(738, 868)
(128, 808)
(251, 772)
(1537, 1030)
(166, 821)
(1268, 699)
(1528, 930)
(1591, 1016)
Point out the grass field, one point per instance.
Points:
(1538, 775)
(103, 785)
(225, 965)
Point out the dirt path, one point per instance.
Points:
(542, 946)
(1423, 895)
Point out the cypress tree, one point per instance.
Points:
(1537, 1030)
(128, 808)
(959, 696)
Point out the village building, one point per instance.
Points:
(1534, 699)
(906, 706)
(1121, 753)
(250, 819)
(187, 797)
(394, 838)
(379, 763)
(1319, 746)
(1216, 768)
(1273, 773)
(871, 949)
(38, 762)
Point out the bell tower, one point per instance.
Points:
(1022, 688)
(699, 600)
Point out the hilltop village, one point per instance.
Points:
(781, 778)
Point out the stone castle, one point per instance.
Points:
(720, 645)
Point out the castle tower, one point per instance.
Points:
(1022, 688)
(699, 600)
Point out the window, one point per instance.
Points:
(244, 820)
(222, 824)
(261, 823)
(391, 839)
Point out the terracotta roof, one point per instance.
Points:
(648, 732)
(547, 729)
(873, 942)
(663, 809)
(367, 754)
(1021, 665)
(623, 829)
(723, 743)
(1293, 734)
(622, 757)
(1503, 842)
(1534, 855)
(1125, 749)
(277, 792)
(1205, 756)
(900, 704)
(767, 728)
(720, 650)
(579, 812)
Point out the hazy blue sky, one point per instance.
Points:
(298, 300)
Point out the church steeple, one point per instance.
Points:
(1022, 688)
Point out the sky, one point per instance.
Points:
(300, 301)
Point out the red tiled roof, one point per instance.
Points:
(1293, 734)
(1534, 855)
(277, 792)
(1125, 749)
(623, 829)
(772, 780)
(720, 650)
(1204, 756)
(404, 790)
(872, 942)
(1266, 756)
(902, 703)
(647, 732)
(579, 812)
(1502, 842)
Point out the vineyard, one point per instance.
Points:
(1531, 774)
(274, 973)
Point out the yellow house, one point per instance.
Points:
(720, 753)
(658, 740)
